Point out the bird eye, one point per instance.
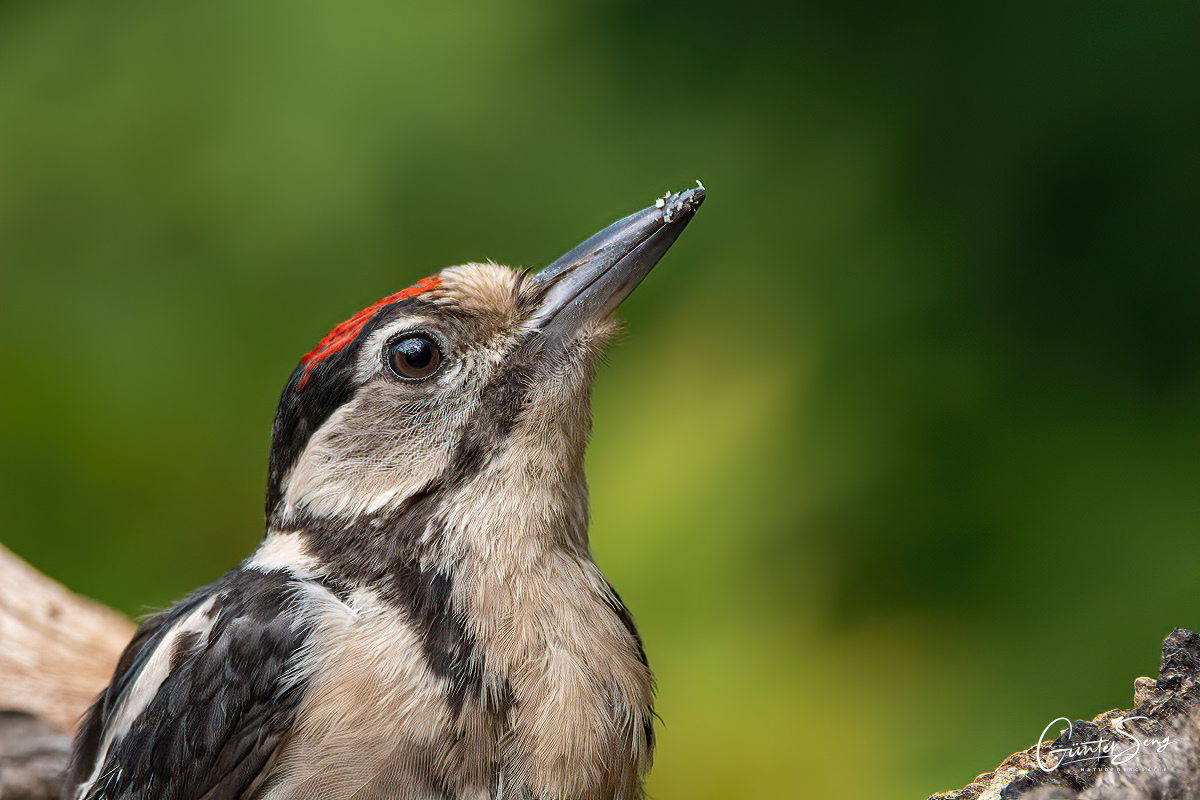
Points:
(413, 357)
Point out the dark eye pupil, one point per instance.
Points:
(417, 353)
(414, 357)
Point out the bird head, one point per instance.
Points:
(422, 389)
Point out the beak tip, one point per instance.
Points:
(676, 205)
(595, 276)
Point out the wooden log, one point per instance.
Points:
(33, 757)
(57, 649)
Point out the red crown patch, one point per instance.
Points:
(344, 332)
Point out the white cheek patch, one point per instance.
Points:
(392, 439)
(371, 454)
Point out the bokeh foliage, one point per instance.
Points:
(898, 459)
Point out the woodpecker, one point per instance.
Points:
(423, 617)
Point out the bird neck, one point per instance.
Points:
(504, 521)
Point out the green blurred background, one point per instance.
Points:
(898, 460)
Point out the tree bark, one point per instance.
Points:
(57, 652)
(57, 649)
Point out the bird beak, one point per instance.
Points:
(591, 280)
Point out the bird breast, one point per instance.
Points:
(559, 708)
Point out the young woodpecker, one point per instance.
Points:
(423, 618)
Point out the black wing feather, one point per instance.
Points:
(91, 728)
(223, 709)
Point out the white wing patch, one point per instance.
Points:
(285, 551)
(147, 683)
